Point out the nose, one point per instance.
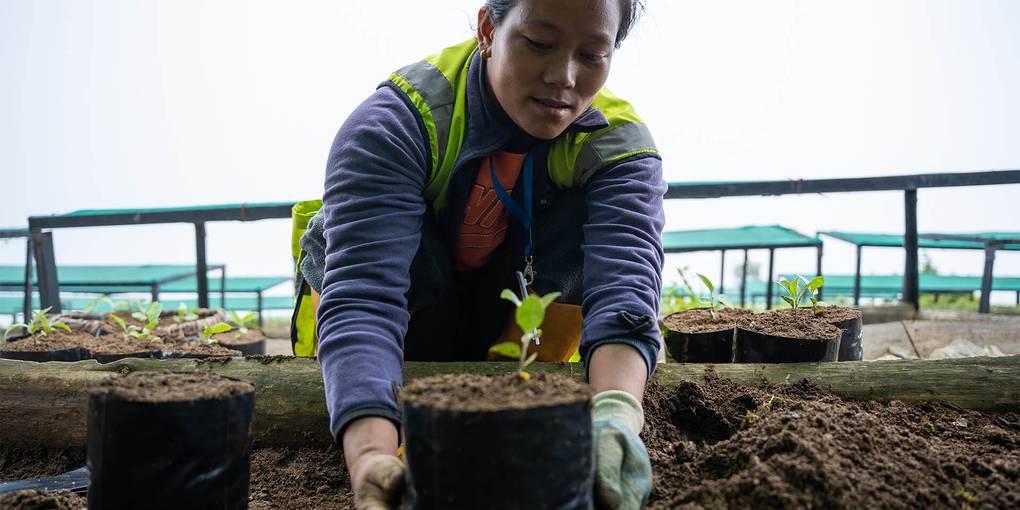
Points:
(561, 72)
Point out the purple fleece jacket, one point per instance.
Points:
(373, 205)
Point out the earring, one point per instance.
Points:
(486, 53)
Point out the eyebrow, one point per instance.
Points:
(540, 23)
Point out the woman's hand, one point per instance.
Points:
(623, 472)
(377, 475)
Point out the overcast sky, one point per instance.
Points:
(110, 104)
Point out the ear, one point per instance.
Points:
(485, 28)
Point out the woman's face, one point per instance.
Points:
(549, 59)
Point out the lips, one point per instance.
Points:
(552, 103)
(552, 110)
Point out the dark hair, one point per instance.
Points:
(632, 10)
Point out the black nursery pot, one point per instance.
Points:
(72, 354)
(110, 358)
(715, 347)
(851, 344)
(538, 458)
(250, 349)
(191, 454)
(754, 347)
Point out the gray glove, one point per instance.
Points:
(623, 472)
(313, 243)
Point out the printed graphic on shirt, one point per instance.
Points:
(485, 219)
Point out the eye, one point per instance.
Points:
(536, 44)
(593, 58)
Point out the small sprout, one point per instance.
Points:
(185, 315)
(716, 301)
(149, 313)
(747, 420)
(132, 331)
(967, 496)
(92, 306)
(243, 324)
(800, 288)
(40, 324)
(529, 316)
(927, 427)
(209, 331)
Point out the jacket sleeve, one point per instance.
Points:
(623, 257)
(373, 206)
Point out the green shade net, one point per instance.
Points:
(70, 275)
(928, 283)
(190, 284)
(751, 237)
(896, 240)
(103, 212)
(13, 304)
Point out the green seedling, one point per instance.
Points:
(529, 315)
(132, 331)
(209, 331)
(695, 300)
(149, 313)
(185, 315)
(40, 324)
(243, 324)
(800, 288)
(92, 306)
(715, 301)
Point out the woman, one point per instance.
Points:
(502, 154)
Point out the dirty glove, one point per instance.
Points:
(382, 485)
(623, 473)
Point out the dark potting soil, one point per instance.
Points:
(788, 324)
(230, 338)
(55, 341)
(200, 348)
(116, 344)
(35, 500)
(830, 314)
(305, 478)
(25, 463)
(472, 393)
(170, 387)
(700, 320)
(722, 445)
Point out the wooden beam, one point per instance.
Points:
(45, 403)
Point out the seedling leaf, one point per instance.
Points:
(507, 349)
(707, 282)
(548, 299)
(509, 295)
(530, 313)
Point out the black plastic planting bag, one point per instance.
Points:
(714, 347)
(169, 455)
(72, 354)
(754, 347)
(851, 344)
(539, 458)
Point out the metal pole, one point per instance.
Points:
(258, 300)
(722, 272)
(986, 279)
(768, 281)
(155, 292)
(223, 287)
(857, 278)
(743, 280)
(46, 270)
(818, 270)
(29, 288)
(201, 268)
(911, 280)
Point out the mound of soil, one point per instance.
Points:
(299, 478)
(170, 387)
(35, 500)
(721, 445)
(235, 338)
(55, 341)
(700, 320)
(789, 324)
(199, 349)
(26, 463)
(473, 393)
(829, 314)
(116, 344)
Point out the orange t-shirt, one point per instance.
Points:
(485, 219)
